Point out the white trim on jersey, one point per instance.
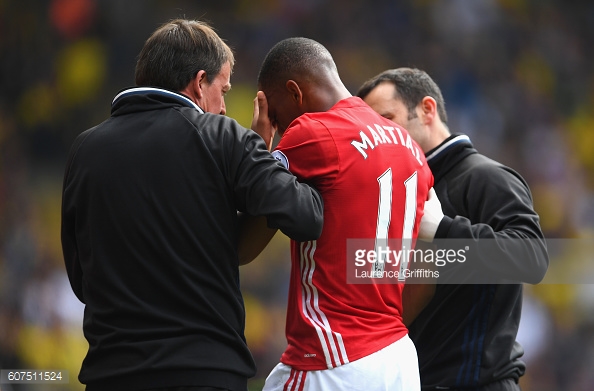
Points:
(312, 311)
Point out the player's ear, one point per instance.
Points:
(295, 92)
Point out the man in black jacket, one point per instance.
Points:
(151, 233)
(465, 336)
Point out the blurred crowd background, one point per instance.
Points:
(517, 76)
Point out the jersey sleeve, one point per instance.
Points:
(309, 152)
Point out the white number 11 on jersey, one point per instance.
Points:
(384, 214)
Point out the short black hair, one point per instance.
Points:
(412, 85)
(292, 58)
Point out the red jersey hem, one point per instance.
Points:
(376, 348)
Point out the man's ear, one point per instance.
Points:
(198, 82)
(428, 108)
(295, 92)
(194, 89)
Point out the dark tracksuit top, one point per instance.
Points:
(150, 235)
(465, 337)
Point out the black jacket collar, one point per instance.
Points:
(148, 98)
(448, 154)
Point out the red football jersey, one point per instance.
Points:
(367, 169)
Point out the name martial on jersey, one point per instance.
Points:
(379, 137)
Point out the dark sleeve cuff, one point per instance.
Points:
(444, 227)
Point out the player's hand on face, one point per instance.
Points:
(432, 216)
(261, 123)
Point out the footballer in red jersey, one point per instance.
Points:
(330, 322)
(374, 182)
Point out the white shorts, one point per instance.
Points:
(394, 368)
